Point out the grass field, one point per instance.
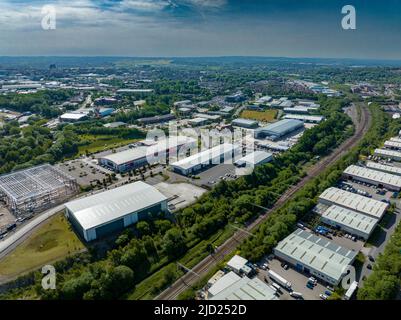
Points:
(100, 143)
(265, 116)
(52, 241)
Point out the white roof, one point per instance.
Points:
(237, 262)
(374, 175)
(247, 289)
(304, 117)
(197, 120)
(392, 144)
(384, 168)
(254, 158)
(206, 156)
(73, 116)
(104, 207)
(224, 282)
(142, 151)
(395, 139)
(387, 153)
(355, 202)
(351, 219)
(317, 253)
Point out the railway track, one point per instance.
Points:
(361, 127)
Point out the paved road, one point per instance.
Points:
(202, 268)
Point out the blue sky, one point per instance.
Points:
(291, 28)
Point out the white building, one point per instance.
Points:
(219, 154)
(350, 221)
(304, 118)
(388, 154)
(391, 144)
(110, 211)
(315, 255)
(353, 201)
(384, 168)
(254, 159)
(230, 288)
(73, 117)
(374, 177)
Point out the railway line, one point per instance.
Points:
(362, 123)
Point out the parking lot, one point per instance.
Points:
(84, 171)
(215, 174)
(297, 279)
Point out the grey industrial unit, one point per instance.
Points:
(278, 129)
(104, 213)
(315, 255)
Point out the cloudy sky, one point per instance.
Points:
(291, 28)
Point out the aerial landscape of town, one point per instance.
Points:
(200, 178)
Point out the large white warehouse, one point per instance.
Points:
(353, 201)
(216, 155)
(350, 221)
(254, 159)
(315, 255)
(374, 177)
(391, 144)
(142, 155)
(113, 210)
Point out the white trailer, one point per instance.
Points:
(279, 279)
(350, 292)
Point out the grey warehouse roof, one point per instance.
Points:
(374, 175)
(384, 168)
(254, 158)
(246, 289)
(113, 204)
(355, 202)
(282, 126)
(318, 253)
(350, 218)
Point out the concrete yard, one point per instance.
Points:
(180, 195)
(6, 217)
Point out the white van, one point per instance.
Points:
(296, 294)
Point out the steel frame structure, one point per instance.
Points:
(35, 189)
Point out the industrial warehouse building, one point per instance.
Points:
(254, 159)
(73, 117)
(374, 177)
(233, 287)
(216, 155)
(315, 255)
(245, 123)
(384, 168)
(36, 188)
(388, 154)
(278, 129)
(395, 139)
(104, 213)
(392, 144)
(305, 118)
(350, 221)
(353, 201)
(140, 156)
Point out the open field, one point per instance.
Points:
(52, 241)
(102, 142)
(265, 116)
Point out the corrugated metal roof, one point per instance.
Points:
(315, 252)
(352, 219)
(110, 205)
(392, 144)
(374, 175)
(388, 153)
(384, 168)
(246, 289)
(142, 151)
(281, 127)
(355, 202)
(255, 158)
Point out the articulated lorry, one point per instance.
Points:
(279, 279)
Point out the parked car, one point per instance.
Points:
(327, 293)
(310, 285)
(369, 266)
(323, 296)
(286, 267)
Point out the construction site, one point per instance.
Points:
(35, 189)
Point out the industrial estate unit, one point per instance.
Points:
(110, 211)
